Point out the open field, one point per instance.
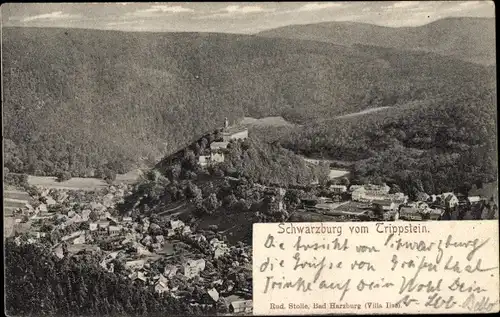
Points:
(311, 216)
(74, 183)
(267, 121)
(81, 183)
(128, 178)
(16, 194)
(14, 199)
(334, 173)
(14, 203)
(8, 226)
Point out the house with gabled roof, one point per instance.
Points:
(450, 200)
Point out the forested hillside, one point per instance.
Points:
(465, 38)
(89, 101)
(425, 146)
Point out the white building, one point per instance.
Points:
(193, 268)
(358, 194)
(203, 160)
(115, 229)
(217, 157)
(450, 200)
(93, 226)
(474, 199)
(135, 264)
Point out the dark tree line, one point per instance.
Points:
(39, 284)
(429, 147)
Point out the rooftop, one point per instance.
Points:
(218, 145)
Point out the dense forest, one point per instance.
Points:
(433, 147)
(179, 178)
(96, 103)
(270, 164)
(78, 287)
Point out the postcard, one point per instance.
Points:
(249, 158)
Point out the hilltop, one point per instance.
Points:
(468, 39)
(96, 102)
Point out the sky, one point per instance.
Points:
(233, 17)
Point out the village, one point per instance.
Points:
(198, 265)
(172, 259)
(377, 202)
(368, 201)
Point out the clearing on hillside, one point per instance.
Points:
(267, 121)
(72, 184)
(82, 183)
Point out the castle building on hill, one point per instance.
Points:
(233, 133)
(217, 148)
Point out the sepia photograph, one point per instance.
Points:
(143, 142)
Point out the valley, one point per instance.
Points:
(136, 163)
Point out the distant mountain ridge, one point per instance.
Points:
(467, 39)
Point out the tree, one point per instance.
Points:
(93, 215)
(229, 200)
(292, 197)
(378, 210)
(174, 172)
(109, 175)
(479, 183)
(394, 189)
(211, 203)
(345, 181)
(465, 188)
(46, 227)
(63, 176)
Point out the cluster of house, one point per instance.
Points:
(216, 153)
(138, 249)
(433, 207)
(396, 206)
(378, 193)
(136, 244)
